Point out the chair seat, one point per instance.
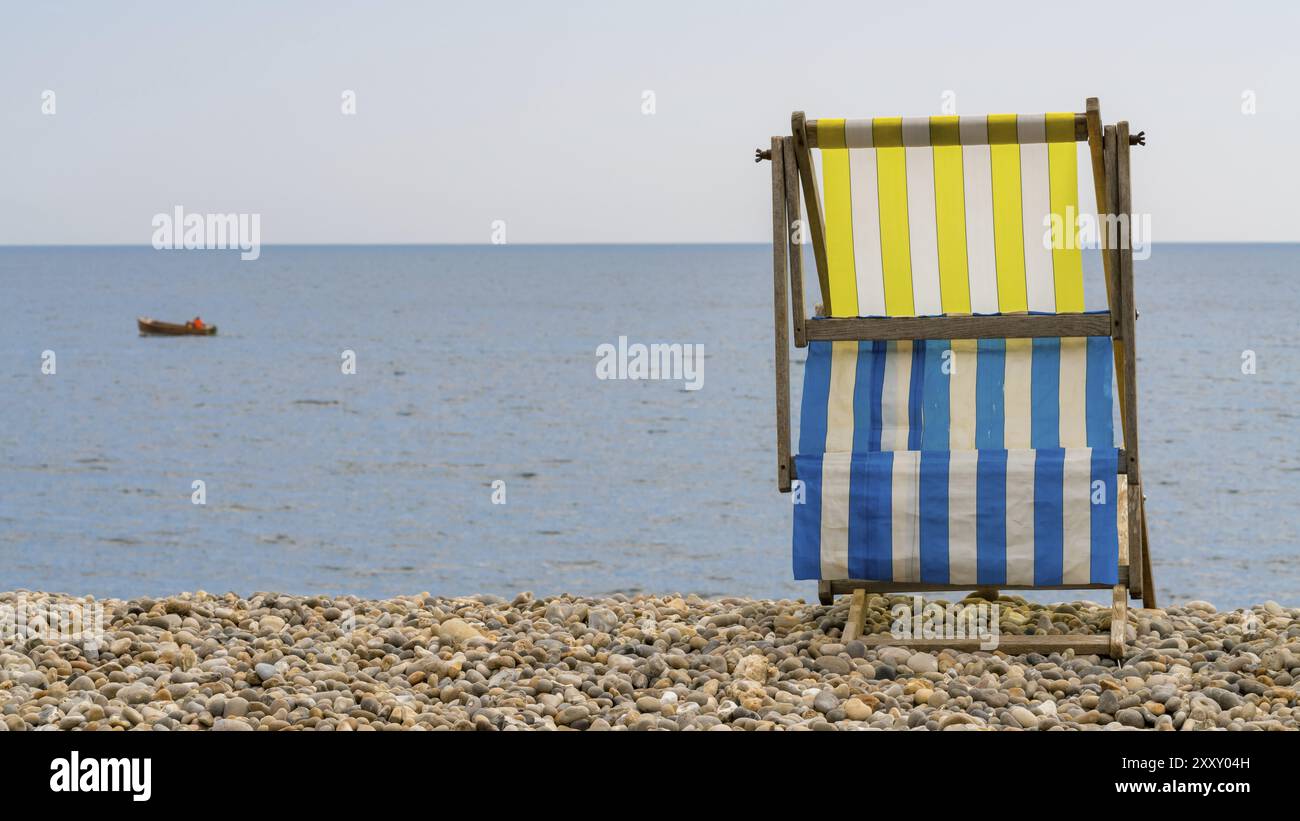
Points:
(1040, 517)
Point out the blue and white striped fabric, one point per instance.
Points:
(951, 462)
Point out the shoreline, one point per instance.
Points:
(272, 662)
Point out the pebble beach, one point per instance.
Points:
(279, 662)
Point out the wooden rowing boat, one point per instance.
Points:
(154, 327)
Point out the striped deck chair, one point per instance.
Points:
(956, 425)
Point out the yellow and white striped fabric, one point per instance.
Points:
(951, 215)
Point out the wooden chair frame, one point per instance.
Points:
(792, 176)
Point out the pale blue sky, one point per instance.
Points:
(531, 112)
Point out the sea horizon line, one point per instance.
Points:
(675, 244)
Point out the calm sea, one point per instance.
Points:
(477, 364)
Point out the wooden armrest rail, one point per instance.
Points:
(1006, 326)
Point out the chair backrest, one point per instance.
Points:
(951, 215)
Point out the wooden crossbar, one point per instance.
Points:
(1080, 129)
(1121, 467)
(1084, 644)
(839, 586)
(1002, 326)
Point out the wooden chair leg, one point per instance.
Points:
(824, 594)
(1118, 621)
(782, 323)
(1130, 548)
(1149, 588)
(857, 616)
(1136, 576)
